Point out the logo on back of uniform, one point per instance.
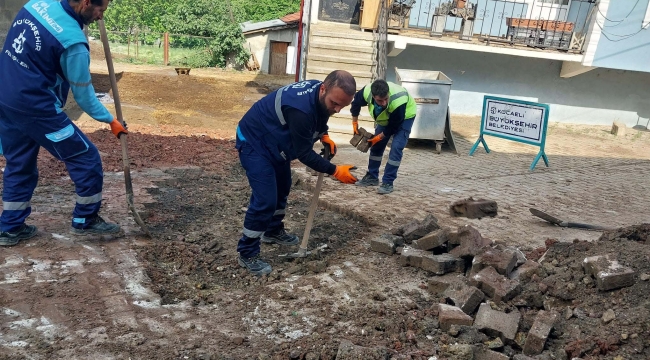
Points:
(19, 42)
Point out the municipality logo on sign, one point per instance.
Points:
(19, 43)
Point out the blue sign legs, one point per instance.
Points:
(479, 141)
(540, 154)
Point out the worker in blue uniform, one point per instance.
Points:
(44, 56)
(393, 110)
(281, 127)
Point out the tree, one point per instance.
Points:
(262, 10)
(209, 18)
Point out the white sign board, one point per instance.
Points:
(514, 120)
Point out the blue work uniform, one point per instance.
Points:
(281, 127)
(44, 56)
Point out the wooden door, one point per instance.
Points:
(278, 62)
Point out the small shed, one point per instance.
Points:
(274, 43)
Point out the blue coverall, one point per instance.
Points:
(45, 55)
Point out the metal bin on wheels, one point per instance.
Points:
(430, 89)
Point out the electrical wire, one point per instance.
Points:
(622, 37)
(617, 21)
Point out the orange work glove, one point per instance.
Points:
(355, 127)
(375, 139)
(343, 174)
(117, 128)
(325, 139)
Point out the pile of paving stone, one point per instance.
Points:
(491, 295)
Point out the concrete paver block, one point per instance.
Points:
(502, 261)
(522, 357)
(362, 140)
(437, 285)
(470, 242)
(386, 244)
(451, 315)
(538, 333)
(495, 285)
(442, 264)
(618, 128)
(474, 209)
(497, 323)
(432, 240)
(467, 298)
(525, 271)
(609, 273)
(412, 257)
(486, 354)
(349, 351)
(417, 229)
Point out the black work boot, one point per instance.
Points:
(385, 188)
(97, 226)
(12, 238)
(255, 265)
(281, 238)
(368, 180)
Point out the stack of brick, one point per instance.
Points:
(480, 286)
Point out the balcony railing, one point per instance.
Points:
(547, 24)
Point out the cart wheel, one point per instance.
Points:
(438, 147)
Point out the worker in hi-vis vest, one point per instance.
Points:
(393, 110)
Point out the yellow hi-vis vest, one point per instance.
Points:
(397, 96)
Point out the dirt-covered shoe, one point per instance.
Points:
(280, 238)
(368, 180)
(385, 188)
(98, 226)
(12, 238)
(255, 265)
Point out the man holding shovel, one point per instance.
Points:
(394, 112)
(45, 55)
(281, 127)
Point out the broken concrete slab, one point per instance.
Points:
(412, 257)
(467, 298)
(442, 264)
(495, 285)
(538, 333)
(525, 271)
(497, 323)
(451, 315)
(386, 244)
(470, 242)
(349, 351)
(432, 240)
(609, 273)
(474, 209)
(503, 261)
(417, 229)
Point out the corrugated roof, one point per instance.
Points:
(249, 26)
(291, 18)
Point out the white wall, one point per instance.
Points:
(596, 97)
(260, 44)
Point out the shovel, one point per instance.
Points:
(302, 251)
(555, 221)
(120, 118)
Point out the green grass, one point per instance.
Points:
(153, 54)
